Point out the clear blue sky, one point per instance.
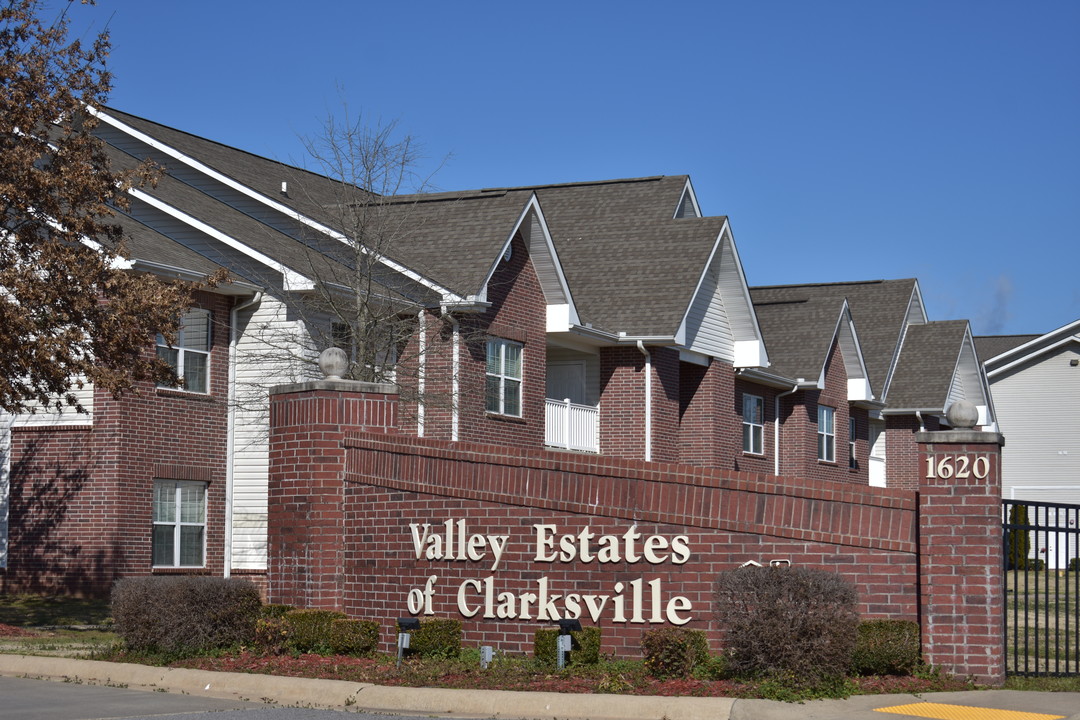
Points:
(854, 140)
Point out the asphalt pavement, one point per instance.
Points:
(335, 694)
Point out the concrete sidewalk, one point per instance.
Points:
(976, 705)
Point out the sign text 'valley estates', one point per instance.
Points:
(636, 601)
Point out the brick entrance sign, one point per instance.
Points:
(383, 526)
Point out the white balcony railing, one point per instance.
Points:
(572, 426)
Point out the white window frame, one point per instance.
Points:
(852, 430)
(184, 353)
(504, 381)
(826, 433)
(178, 523)
(753, 432)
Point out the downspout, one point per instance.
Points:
(454, 389)
(230, 435)
(922, 424)
(648, 399)
(776, 426)
(421, 372)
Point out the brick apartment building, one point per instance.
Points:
(604, 319)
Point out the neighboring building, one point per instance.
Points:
(1036, 385)
(607, 317)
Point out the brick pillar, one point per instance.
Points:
(307, 467)
(961, 595)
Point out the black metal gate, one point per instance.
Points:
(1042, 588)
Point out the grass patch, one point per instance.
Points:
(1043, 684)
(50, 611)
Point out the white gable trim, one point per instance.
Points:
(292, 280)
(1043, 344)
(269, 202)
(561, 312)
(687, 194)
(847, 339)
(749, 347)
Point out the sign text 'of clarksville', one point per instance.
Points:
(637, 601)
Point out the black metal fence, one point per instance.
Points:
(1042, 588)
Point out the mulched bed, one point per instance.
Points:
(12, 631)
(382, 672)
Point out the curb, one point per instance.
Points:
(362, 696)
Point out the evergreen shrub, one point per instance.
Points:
(886, 647)
(674, 651)
(584, 646)
(308, 630)
(436, 638)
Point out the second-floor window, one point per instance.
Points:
(826, 433)
(190, 356)
(753, 424)
(852, 463)
(503, 377)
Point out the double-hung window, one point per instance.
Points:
(190, 357)
(753, 424)
(503, 388)
(826, 433)
(179, 524)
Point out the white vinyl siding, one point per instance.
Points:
(270, 351)
(67, 417)
(1038, 410)
(708, 330)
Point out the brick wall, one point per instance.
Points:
(509, 540)
(81, 499)
(901, 449)
(963, 601)
(393, 483)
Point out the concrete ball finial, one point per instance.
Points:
(962, 414)
(333, 362)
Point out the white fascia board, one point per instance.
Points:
(916, 294)
(688, 191)
(694, 358)
(292, 280)
(858, 385)
(269, 202)
(558, 318)
(748, 352)
(1042, 344)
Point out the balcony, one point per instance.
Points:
(571, 426)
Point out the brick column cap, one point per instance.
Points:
(960, 437)
(353, 386)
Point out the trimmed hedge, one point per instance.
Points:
(182, 615)
(308, 631)
(436, 638)
(886, 647)
(584, 647)
(674, 651)
(353, 637)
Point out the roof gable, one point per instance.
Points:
(1026, 348)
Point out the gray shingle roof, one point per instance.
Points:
(878, 309)
(990, 346)
(630, 266)
(927, 364)
(798, 334)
